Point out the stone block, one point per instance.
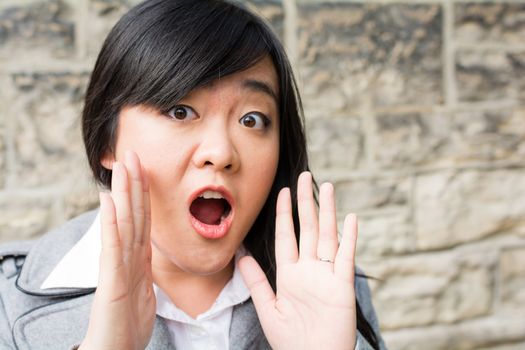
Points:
(490, 75)
(355, 196)
(384, 234)
(2, 150)
(5, 100)
(489, 135)
(509, 346)
(499, 332)
(430, 139)
(24, 218)
(44, 29)
(455, 207)
(512, 269)
(46, 118)
(490, 22)
(383, 54)
(411, 139)
(335, 143)
(430, 289)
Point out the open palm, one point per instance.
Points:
(123, 310)
(314, 306)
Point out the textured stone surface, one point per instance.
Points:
(422, 139)
(503, 332)
(24, 218)
(490, 75)
(43, 28)
(2, 148)
(512, 268)
(384, 234)
(46, 116)
(489, 135)
(411, 138)
(335, 142)
(492, 21)
(388, 53)
(436, 288)
(458, 207)
(510, 346)
(374, 193)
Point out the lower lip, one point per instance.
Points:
(212, 231)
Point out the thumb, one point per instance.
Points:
(262, 294)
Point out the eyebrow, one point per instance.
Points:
(261, 86)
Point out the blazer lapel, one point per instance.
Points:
(245, 329)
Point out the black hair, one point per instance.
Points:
(163, 49)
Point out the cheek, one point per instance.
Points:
(262, 169)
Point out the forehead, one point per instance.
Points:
(261, 77)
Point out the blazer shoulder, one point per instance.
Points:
(12, 257)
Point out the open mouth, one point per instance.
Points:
(210, 208)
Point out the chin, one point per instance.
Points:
(204, 266)
(200, 262)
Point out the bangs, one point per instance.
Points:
(172, 55)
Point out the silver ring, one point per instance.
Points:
(326, 260)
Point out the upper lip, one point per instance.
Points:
(221, 189)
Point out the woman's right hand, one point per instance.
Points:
(123, 310)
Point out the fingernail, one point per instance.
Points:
(327, 186)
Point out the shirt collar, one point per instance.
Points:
(79, 267)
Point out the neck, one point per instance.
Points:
(194, 294)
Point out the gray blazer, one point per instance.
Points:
(33, 318)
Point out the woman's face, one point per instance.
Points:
(210, 162)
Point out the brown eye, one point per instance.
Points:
(255, 121)
(182, 113)
(249, 121)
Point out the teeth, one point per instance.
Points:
(211, 194)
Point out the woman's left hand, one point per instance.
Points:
(314, 307)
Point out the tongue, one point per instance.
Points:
(208, 211)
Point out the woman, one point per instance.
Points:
(210, 236)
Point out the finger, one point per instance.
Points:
(121, 198)
(345, 258)
(147, 207)
(137, 194)
(307, 217)
(111, 255)
(285, 241)
(262, 294)
(327, 246)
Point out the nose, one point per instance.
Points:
(216, 150)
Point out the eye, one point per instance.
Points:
(255, 120)
(182, 113)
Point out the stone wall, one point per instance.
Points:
(415, 110)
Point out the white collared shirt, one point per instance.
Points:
(209, 330)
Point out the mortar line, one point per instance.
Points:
(449, 68)
(290, 36)
(82, 11)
